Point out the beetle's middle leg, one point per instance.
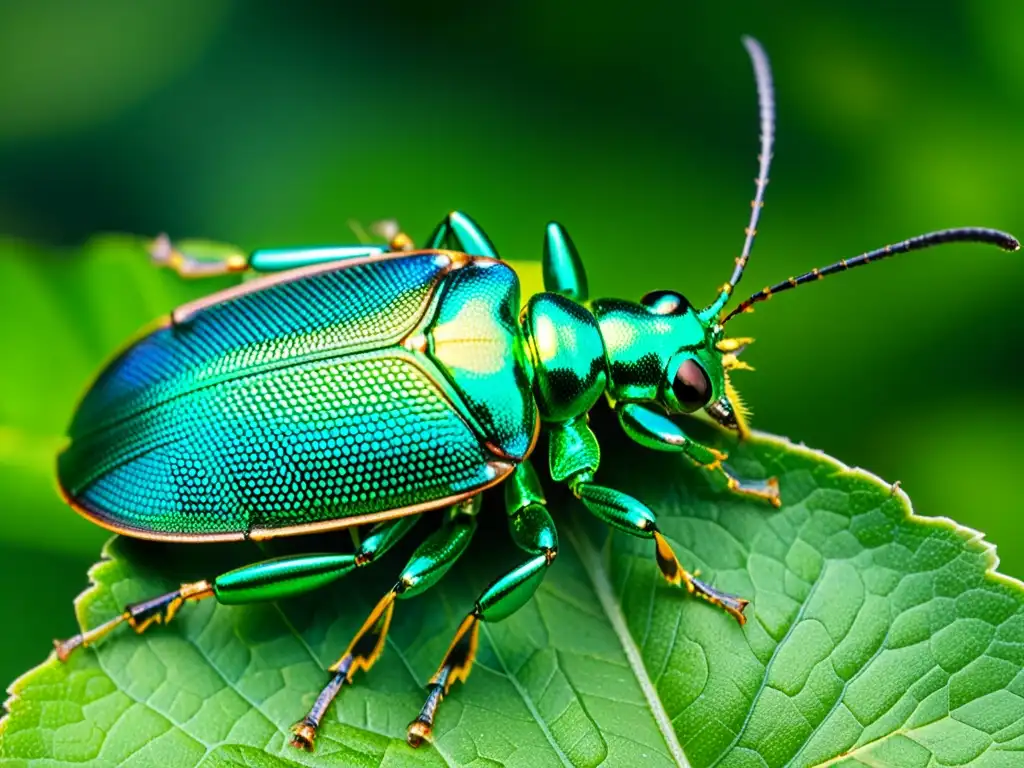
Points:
(428, 564)
(267, 580)
(534, 532)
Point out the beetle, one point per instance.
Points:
(362, 385)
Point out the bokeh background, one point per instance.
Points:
(635, 125)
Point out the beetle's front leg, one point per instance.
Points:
(627, 514)
(574, 457)
(652, 430)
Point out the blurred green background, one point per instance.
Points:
(634, 125)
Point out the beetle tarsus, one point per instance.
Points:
(65, 648)
(455, 667)
(421, 729)
(163, 253)
(140, 616)
(731, 604)
(304, 735)
(392, 232)
(764, 490)
(306, 729)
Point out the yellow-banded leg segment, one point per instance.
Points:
(627, 514)
(139, 616)
(273, 579)
(428, 564)
(762, 490)
(574, 456)
(658, 432)
(197, 259)
(534, 532)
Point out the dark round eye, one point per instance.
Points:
(665, 302)
(691, 386)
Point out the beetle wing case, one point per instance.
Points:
(305, 402)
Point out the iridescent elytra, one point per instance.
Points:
(360, 385)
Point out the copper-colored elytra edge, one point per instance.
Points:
(501, 469)
(184, 314)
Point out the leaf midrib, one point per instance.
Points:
(598, 575)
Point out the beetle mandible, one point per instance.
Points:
(365, 384)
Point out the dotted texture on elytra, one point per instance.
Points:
(873, 639)
(319, 442)
(356, 307)
(273, 409)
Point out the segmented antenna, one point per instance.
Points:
(960, 235)
(766, 101)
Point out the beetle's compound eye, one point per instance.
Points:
(691, 386)
(665, 302)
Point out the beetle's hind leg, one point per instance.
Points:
(267, 580)
(139, 616)
(428, 564)
(202, 259)
(534, 532)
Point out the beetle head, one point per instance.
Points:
(663, 351)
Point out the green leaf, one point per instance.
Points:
(875, 638)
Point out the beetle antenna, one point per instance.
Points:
(960, 235)
(766, 101)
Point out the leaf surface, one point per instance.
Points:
(875, 638)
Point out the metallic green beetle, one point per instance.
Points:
(362, 385)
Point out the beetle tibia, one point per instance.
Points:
(676, 575)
